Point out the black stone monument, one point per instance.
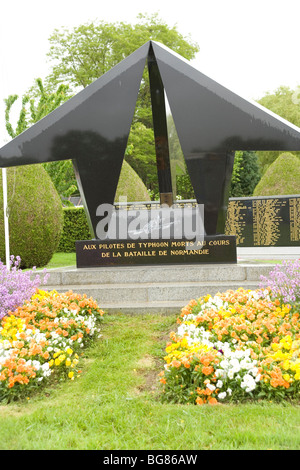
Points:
(92, 129)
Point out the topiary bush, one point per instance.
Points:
(281, 178)
(75, 228)
(35, 216)
(130, 185)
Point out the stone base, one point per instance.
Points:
(212, 249)
(163, 289)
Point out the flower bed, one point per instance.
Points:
(42, 338)
(17, 286)
(234, 346)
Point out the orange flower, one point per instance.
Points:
(186, 363)
(176, 363)
(213, 401)
(199, 401)
(206, 370)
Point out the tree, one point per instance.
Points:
(245, 174)
(47, 102)
(34, 109)
(84, 53)
(283, 103)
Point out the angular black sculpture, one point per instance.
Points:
(92, 129)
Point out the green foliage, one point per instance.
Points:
(281, 178)
(63, 177)
(31, 112)
(245, 175)
(130, 185)
(35, 215)
(22, 123)
(75, 227)
(141, 154)
(281, 102)
(84, 53)
(184, 188)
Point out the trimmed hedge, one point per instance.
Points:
(75, 225)
(35, 215)
(75, 228)
(282, 178)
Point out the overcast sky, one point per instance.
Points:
(251, 47)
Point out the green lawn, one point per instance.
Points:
(60, 260)
(115, 404)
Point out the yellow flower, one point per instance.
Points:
(71, 375)
(68, 362)
(286, 364)
(287, 377)
(57, 362)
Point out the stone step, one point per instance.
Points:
(157, 274)
(160, 289)
(152, 292)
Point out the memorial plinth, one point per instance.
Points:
(214, 249)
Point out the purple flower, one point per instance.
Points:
(284, 281)
(17, 286)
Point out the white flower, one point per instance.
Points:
(36, 365)
(219, 384)
(253, 371)
(248, 383)
(235, 365)
(224, 364)
(222, 395)
(211, 387)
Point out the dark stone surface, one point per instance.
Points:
(212, 122)
(264, 221)
(215, 249)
